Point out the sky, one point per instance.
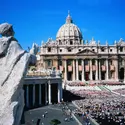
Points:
(38, 20)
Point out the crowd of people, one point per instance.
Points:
(121, 91)
(103, 106)
(79, 83)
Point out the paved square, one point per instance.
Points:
(53, 112)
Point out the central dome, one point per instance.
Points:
(69, 31)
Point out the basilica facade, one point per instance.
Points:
(80, 59)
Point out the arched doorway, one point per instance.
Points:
(121, 74)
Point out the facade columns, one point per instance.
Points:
(44, 64)
(73, 70)
(49, 92)
(59, 93)
(65, 69)
(27, 96)
(83, 75)
(40, 94)
(124, 71)
(46, 99)
(99, 70)
(107, 70)
(116, 69)
(90, 69)
(96, 69)
(77, 70)
(33, 94)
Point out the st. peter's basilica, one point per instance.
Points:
(80, 59)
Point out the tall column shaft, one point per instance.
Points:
(116, 69)
(27, 96)
(33, 94)
(73, 70)
(46, 100)
(90, 69)
(49, 92)
(40, 95)
(59, 93)
(96, 70)
(44, 64)
(124, 71)
(83, 76)
(99, 70)
(107, 70)
(65, 69)
(77, 70)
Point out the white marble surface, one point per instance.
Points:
(13, 65)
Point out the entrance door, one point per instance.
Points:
(86, 76)
(102, 75)
(70, 76)
(121, 74)
(54, 93)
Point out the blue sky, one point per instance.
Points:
(34, 21)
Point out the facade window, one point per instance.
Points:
(121, 61)
(49, 63)
(93, 50)
(69, 50)
(49, 49)
(79, 62)
(79, 49)
(102, 62)
(110, 50)
(60, 62)
(71, 42)
(93, 62)
(102, 49)
(86, 62)
(60, 50)
(121, 49)
(69, 62)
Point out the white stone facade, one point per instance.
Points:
(81, 60)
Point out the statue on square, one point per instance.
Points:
(14, 62)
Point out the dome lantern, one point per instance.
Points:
(69, 19)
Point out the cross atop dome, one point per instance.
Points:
(69, 19)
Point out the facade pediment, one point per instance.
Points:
(87, 51)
